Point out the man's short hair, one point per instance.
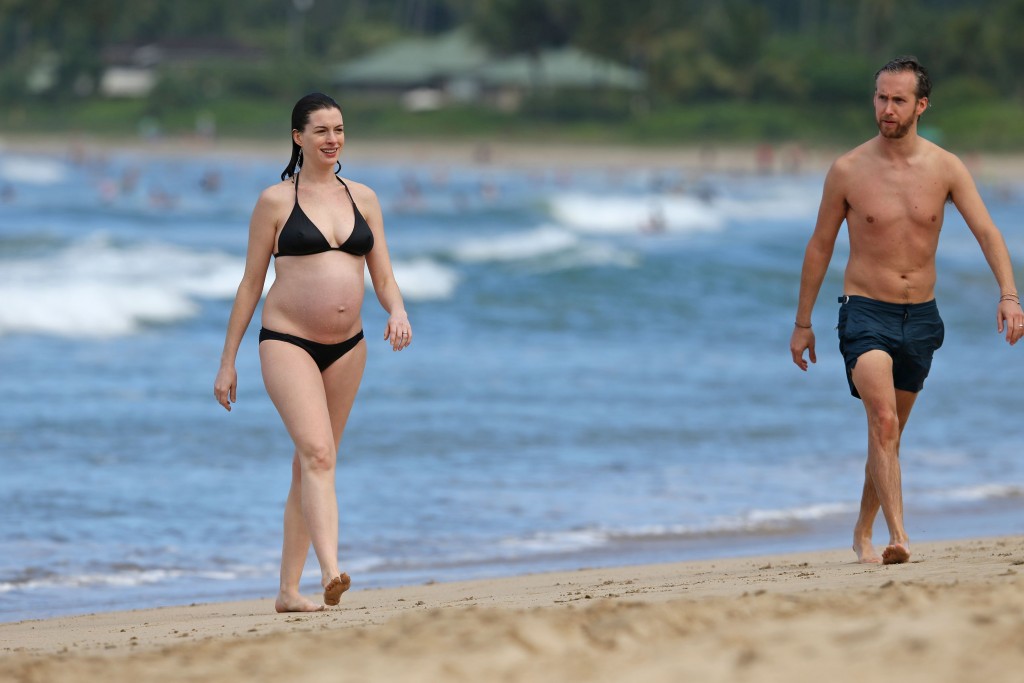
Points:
(908, 63)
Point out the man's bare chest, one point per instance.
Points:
(890, 200)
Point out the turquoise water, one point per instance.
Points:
(600, 376)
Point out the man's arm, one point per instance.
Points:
(1009, 316)
(817, 256)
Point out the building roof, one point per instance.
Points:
(415, 61)
(432, 61)
(567, 67)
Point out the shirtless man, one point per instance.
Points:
(891, 191)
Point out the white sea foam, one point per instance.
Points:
(32, 171)
(979, 492)
(558, 541)
(543, 241)
(128, 578)
(678, 213)
(757, 518)
(750, 522)
(424, 279)
(624, 214)
(790, 204)
(95, 288)
(546, 248)
(754, 521)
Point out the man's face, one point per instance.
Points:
(896, 105)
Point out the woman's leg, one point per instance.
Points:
(314, 408)
(296, 387)
(294, 549)
(341, 383)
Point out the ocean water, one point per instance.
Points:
(600, 376)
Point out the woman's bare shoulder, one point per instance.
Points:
(360, 192)
(278, 194)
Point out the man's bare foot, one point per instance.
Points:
(866, 552)
(895, 553)
(295, 603)
(334, 589)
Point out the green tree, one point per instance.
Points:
(525, 26)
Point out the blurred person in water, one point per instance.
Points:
(321, 230)
(891, 191)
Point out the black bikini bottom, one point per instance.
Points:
(322, 354)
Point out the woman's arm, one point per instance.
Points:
(262, 229)
(378, 261)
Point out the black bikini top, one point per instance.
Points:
(300, 237)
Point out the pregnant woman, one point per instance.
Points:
(321, 230)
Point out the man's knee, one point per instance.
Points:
(884, 422)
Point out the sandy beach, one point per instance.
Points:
(955, 613)
(742, 159)
(479, 153)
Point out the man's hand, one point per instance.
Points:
(802, 339)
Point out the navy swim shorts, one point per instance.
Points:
(909, 333)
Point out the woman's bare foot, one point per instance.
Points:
(866, 552)
(295, 603)
(896, 553)
(334, 589)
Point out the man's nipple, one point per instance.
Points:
(871, 219)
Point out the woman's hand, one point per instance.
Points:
(398, 331)
(224, 386)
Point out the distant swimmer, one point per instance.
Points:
(322, 232)
(210, 181)
(891, 191)
(656, 222)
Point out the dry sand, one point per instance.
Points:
(478, 153)
(955, 613)
(792, 157)
(999, 170)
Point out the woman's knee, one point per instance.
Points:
(316, 456)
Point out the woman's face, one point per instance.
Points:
(322, 138)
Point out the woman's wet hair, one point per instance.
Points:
(301, 112)
(908, 63)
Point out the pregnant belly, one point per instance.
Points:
(324, 308)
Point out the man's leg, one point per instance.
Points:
(869, 504)
(873, 378)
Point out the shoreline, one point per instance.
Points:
(726, 547)
(742, 159)
(955, 607)
(453, 152)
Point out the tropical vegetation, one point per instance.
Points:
(747, 69)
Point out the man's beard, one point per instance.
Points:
(899, 131)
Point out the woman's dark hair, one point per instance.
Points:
(908, 63)
(314, 101)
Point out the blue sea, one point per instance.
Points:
(600, 376)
